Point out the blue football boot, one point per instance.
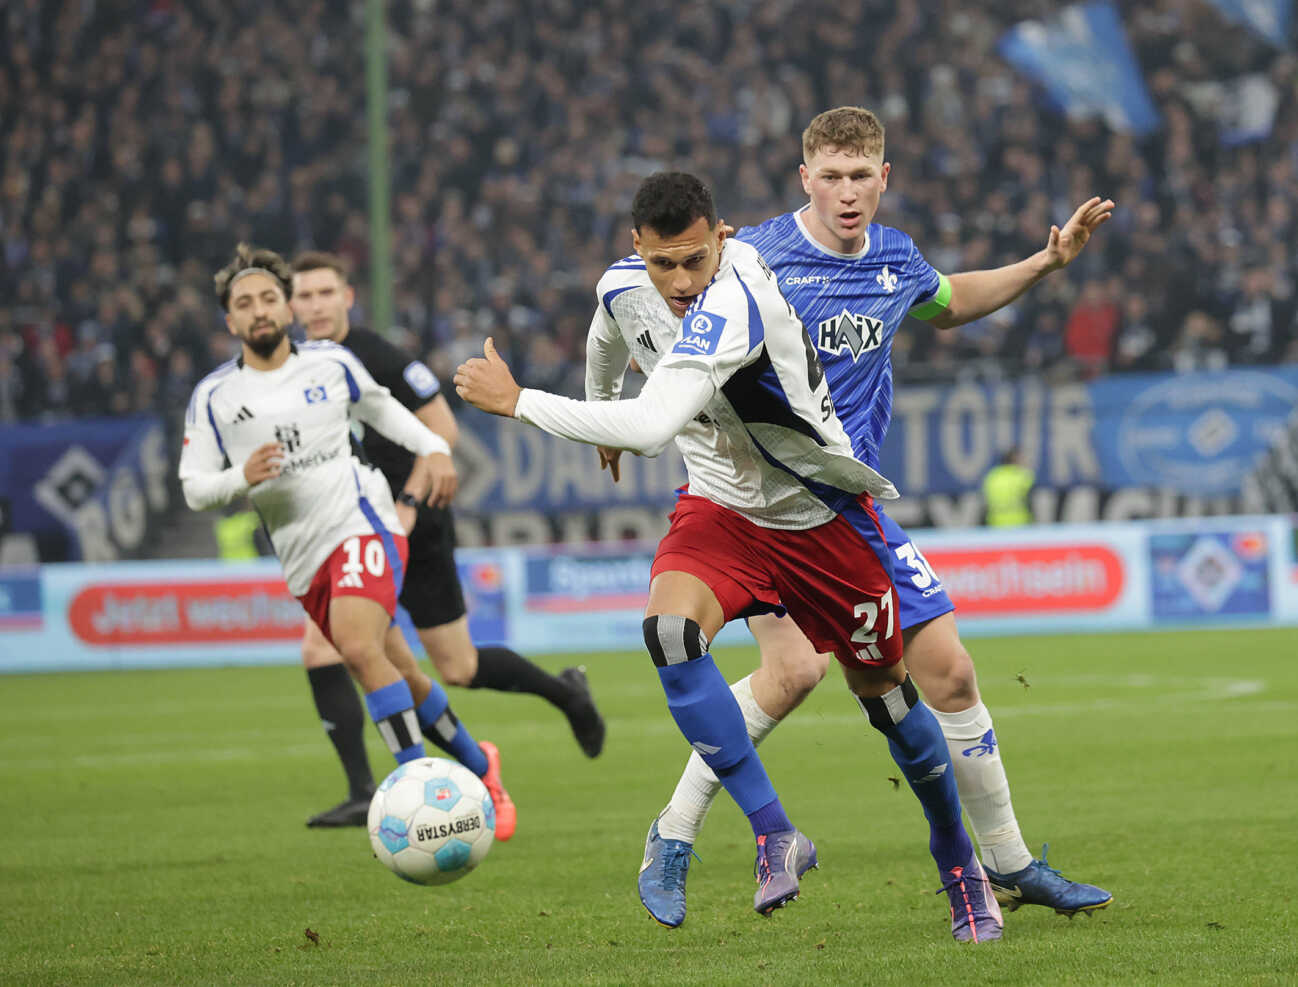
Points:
(782, 858)
(1040, 884)
(662, 877)
(975, 915)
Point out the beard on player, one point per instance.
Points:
(264, 337)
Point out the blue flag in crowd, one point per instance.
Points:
(1082, 58)
(1269, 18)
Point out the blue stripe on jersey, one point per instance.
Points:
(191, 413)
(836, 500)
(389, 543)
(637, 265)
(756, 328)
(211, 418)
(353, 390)
(697, 304)
(607, 300)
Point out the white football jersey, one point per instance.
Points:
(324, 494)
(767, 444)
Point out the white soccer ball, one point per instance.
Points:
(431, 821)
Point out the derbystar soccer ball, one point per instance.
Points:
(431, 821)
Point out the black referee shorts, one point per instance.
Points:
(431, 592)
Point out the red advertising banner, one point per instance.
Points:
(185, 612)
(1014, 580)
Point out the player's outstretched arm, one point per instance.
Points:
(645, 424)
(975, 294)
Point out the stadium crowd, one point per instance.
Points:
(140, 139)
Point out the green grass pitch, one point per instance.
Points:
(152, 833)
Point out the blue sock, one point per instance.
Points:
(444, 729)
(770, 818)
(919, 748)
(706, 712)
(392, 709)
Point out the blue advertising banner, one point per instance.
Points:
(86, 490)
(1209, 574)
(1199, 434)
(508, 466)
(1082, 59)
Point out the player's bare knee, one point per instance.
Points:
(456, 670)
(317, 653)
(672, 640)
(872, 681)
(947, 679)
(797, 678)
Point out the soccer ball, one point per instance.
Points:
(431, 821)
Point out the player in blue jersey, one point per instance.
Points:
(852, 282)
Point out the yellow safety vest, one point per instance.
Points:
(235, 534)
(1005, 489)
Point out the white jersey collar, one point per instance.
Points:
(865, 249)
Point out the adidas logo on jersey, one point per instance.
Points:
(244, 414)
(856, 333)
(645, 339)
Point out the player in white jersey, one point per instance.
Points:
(274, 425)
(778, 513)
(841, 269)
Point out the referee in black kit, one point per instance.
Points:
(322, 298)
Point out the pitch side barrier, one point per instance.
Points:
(1223, 571)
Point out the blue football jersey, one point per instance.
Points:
(851, 305)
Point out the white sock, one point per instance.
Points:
(984, 789)
(699, 785)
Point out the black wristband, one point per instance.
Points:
(407, 498)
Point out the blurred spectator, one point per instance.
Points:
(1137, 346)
(1088, 336)
(139, 142)
(1200, 345)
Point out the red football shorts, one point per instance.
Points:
(372, 566)
(834, 580)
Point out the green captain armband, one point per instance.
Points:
(937, 304)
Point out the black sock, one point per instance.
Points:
(344, 721)
(508, 671)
